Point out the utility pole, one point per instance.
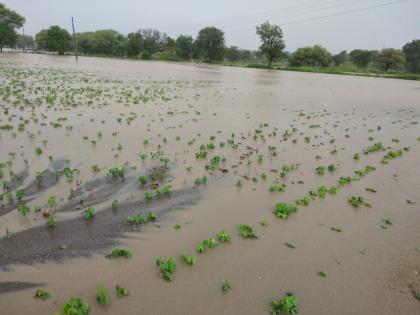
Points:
(74, 38)
(23, 39)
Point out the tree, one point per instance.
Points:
(412, 55)
(184, 44)
(272, 43)
(232, 53)
(54, 39)
(315, 56)
(390, 58)
(340, 58)
(9, 22)
(134, 44)
(361, 58)
(25, 42)
(210, 44)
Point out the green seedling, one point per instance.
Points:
(75, 306)
(52, 201)
(303, 201)
(226, 286)
(189, 259)
(137, 219)
(277, 187)
(357, 201)
(206, 244)
(148, 194)
(223, 237)
(115, 204)
(386, 224)
(264, 222)
(88, 213)
(283, 209)
(143, 180)
(167, 268)
(290, 245)
(322, 274)
(177, 226)
(239, 183)
(119, 252)
(23, 209)
(95, 168)
(246, 231)
(338, 230)
(320, 170)
(286, 305)
(41, 294)
(121, 292)
(102, 296)
(51, 221)
(332, 168)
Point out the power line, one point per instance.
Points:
(327, 16)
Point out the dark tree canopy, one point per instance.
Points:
(315, 56)
(411, 51)
(54, 39)
(272, 43)
(340, 58)
(9, 22)
(210, 44)
(232, 53)
(361, 58)
(390, 58)
(184, 45)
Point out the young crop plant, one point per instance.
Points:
(303, 201)
(206, 244)
(386, 224)
(226, 286)
(148, 194)
(88, 213)
(283, 209)
(121, 292)
(23, 209)
(137, 219)
(51, 221)
(264, 222)
(143, 180)
(286, 305)
(223, 237)
(52, 201)
(119, 252)
(41, 294)
(74, 306)
(357, 201)
(322, 274)
(277, 187)
(189, 259)
(246, 231)
(167, 268)
(332, 168)
(102, 296)
(320, 170)
(115, 204)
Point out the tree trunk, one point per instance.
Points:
(270, 60)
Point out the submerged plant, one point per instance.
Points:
(167, 268)
(226, 286)
(386, 224)
(41, 294)
(286, 305)
(23, 209)
(121, 292)
(119, 252)
(88, 213)
(357, 201)
(283, 209)
(246, 231)
(74, 306)
(206, 244)
(189, 259)
(102, 296)
(223, 237)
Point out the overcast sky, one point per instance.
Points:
(335, 24)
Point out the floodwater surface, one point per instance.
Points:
(206, 149)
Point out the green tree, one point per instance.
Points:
(232, 53)
(390, 58)
(361, 58)
(54, 39)
(184, 44)
(272, 44)
(210, 44)
(340, 58)
(9, 22)
(134, 44)
(315, 56)
(411, 51)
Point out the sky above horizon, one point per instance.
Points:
(335, 24)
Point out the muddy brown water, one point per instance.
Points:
(368, 268)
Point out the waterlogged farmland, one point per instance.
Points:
(161, 188)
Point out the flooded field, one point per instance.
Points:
(258, 183)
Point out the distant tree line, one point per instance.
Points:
(208, 46)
